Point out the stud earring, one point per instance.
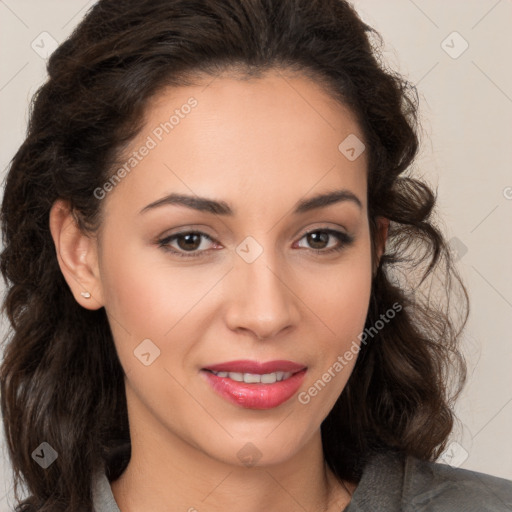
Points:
(85, 295)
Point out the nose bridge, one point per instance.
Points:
(265, 303)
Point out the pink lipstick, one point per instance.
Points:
(255, 385)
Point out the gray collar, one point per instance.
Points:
(103, 499)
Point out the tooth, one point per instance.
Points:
(250, 378)
(254, 378)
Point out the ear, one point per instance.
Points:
(380, 242)
(77, 254)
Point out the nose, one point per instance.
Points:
(263, 302)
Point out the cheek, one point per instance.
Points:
(343, 301)
(340, 296)
(340, 301)
(143, 294)
(149, 298)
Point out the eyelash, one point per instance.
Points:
(344, 239)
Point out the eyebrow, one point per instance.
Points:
(204, 204)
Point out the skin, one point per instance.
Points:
(260, 145)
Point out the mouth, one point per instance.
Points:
(254, 385)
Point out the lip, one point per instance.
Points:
(255, 395)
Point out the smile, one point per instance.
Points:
(254, 385)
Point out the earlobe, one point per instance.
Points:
(77, 256)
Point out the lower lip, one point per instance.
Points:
(255, 396)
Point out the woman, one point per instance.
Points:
(288, 359)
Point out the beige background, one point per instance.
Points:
(466, 104)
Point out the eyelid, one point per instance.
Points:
(190, 228)
(344, 240)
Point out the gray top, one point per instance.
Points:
(392, 484)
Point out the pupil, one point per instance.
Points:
(188, 238)
(323, 235)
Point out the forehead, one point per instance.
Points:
(276, 137)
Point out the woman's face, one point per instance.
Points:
(253, 286)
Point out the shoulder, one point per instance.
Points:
(392, 482)
(440, 487)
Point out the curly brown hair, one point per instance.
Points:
(61, 379)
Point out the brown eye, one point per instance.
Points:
(186, 241)
(318, 240)
(190, 241)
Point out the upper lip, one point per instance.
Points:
(255, 367)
